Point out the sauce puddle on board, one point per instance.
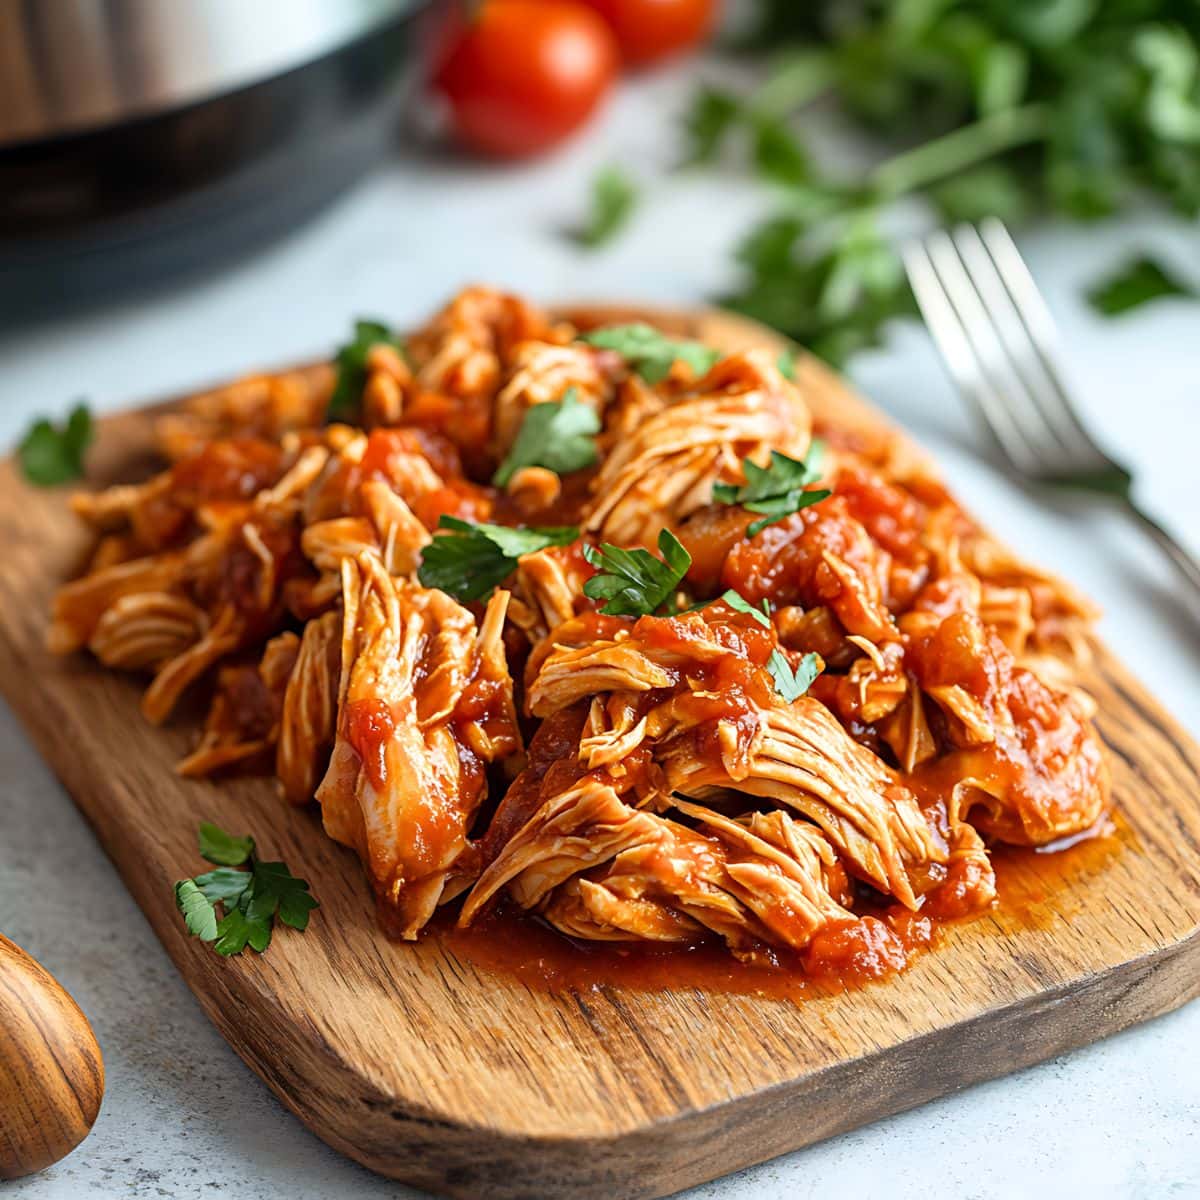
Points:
(1034, 886)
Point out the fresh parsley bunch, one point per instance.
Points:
(992, 107)
(250, 893)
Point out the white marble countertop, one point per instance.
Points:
(183, 1117)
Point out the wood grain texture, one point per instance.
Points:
(427, 1068)
(51, 1072)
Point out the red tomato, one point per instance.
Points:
(526, 73)
(648, 30)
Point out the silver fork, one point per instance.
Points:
(998, 340)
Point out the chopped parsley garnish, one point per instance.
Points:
(778, 490)
(250, 899)
(736, 601)
(651, 353)
(634, 583)
(558, 436)
(50, 454)
(351, 362)
(791, 685)
(786, 362)
(468, 561)
(614, 198)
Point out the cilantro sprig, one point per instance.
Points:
(650, 352)
(250, 893)
(559, 436)
(777, 490)
(469, 560)
(792, 684)
(51, 454)
(634, 583)
(351, 363)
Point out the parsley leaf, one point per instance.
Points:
(225, 885)
(50, 454)
(470, 560)
(223, 848)
(735, 600)
(236, 931)
(786, 363)
(351, 362)
(251, 899)
(197, 909)
(789, 684)
(713, 113)
(557, 436)
(1135, 284)
(651, 353)
(778, 490)
(633, 583)
(614, 198)
(277, 890)
(778, 153)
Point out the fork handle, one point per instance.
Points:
(1187, 563)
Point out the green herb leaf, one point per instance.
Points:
(351, 362)
(777, 490)
(1135, 284)
(225, 885)
(1076, 106)
(634, 583)
(778, 152)
(277, 890)
(828, 281)
(713, 114)
(470, 560)
(223, 848)
(558, 436)
(236, 931)
(651, 353)
(614, 197)
(786, 362)
(789, 684)
(50, 454)
(251, 899)
(197, 909)
(735, 600)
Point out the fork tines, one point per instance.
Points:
(998, 339)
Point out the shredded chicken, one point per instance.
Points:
(808, 748)
(664, 469)
(405, 778)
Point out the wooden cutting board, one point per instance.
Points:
(424, 1066)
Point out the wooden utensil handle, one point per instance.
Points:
(51, 1070)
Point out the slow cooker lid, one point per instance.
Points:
(72, 65)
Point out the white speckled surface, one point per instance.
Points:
(183, 1117)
